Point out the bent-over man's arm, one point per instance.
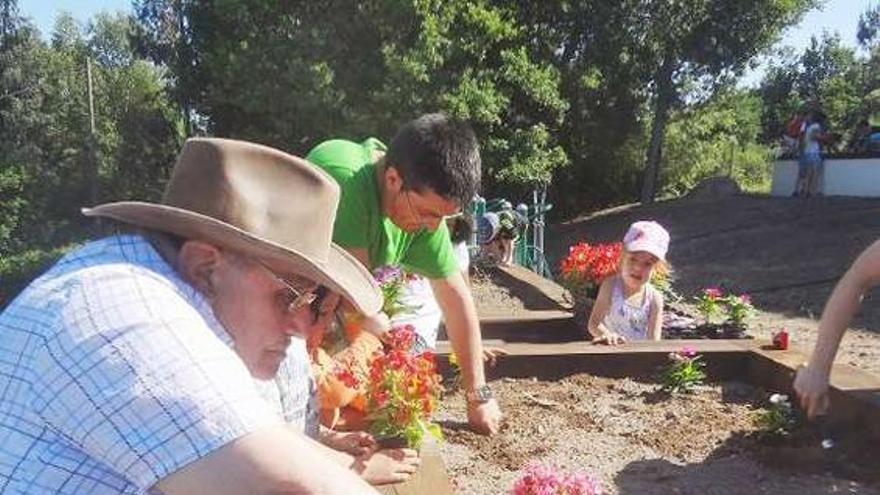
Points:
(460, 314)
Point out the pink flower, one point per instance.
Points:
(745, 298)
(386, 274)
(539, 479)
(712, 292)
(688, 351)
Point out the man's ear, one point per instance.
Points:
(196, 263)
(393, 179)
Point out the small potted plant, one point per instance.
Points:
(709, 304)
(778, 418)
(341, 356)
(402, 392)
(684, 372)
(723, 315)
(582, 272)
(739, 309)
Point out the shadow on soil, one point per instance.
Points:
(756, 463)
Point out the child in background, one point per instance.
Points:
(628, 307)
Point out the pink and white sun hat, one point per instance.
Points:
(647, 236)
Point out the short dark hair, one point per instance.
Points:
(439, 153)
(460, 228)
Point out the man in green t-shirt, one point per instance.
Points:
(391, 211)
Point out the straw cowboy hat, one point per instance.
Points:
(260, 202)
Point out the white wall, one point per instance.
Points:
(843, 177)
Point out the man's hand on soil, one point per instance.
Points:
(485, 418)
(490, 355)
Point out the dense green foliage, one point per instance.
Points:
(582, 95)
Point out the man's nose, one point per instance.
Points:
(299, 322)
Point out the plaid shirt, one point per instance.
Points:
(114, 373)
(293, 392)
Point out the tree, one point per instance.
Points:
(286, 74)
(45, 128)
(825, 76)
(701, 43)
(869, 26)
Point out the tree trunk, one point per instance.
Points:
(665, 96)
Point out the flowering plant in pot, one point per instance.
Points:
(392, 280)
(739, 309)
(341, 356)
(402, 392)
(710, 304)
(584, 269)
(724, 315)
(541, 479)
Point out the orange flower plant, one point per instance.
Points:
(402, 391)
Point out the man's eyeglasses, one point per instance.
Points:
(426, 223)
(415, 214)
(293, 298)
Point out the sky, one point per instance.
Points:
(839, 16)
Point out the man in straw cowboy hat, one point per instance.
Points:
(128, 367)
(392, 212)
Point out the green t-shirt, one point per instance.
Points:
(360, 222)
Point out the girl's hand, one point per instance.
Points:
(610, 338)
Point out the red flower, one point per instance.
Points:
(402, 390)
(346, 376)
(588, 266)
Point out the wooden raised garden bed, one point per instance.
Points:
(552, 383)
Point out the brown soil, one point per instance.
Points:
(506, 291)
(636, 439)
(786, 253)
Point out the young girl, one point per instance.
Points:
(628, 307)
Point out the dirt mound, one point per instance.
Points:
(713, 188)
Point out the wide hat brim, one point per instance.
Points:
(340, 272)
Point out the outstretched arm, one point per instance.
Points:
(811, 383)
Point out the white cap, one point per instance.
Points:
(650, 237)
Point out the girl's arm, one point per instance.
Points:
(655, 319)
(600, 310)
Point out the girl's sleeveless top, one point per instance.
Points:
(627, 320)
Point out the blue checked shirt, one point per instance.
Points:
(293, 392)
(114, 373)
